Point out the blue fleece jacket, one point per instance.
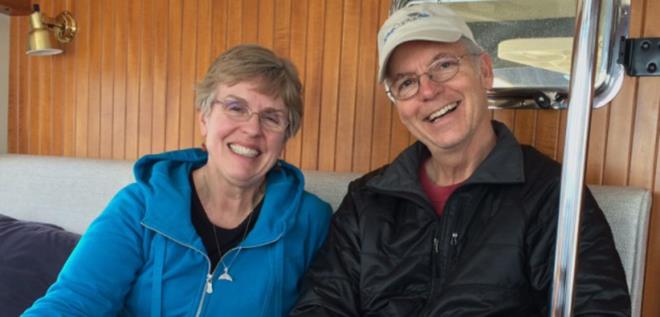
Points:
(143, 257)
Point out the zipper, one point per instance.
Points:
(209, 283)
(454, 239)
(435, 269)
(448, 233)
(453, 246)
(209, 276)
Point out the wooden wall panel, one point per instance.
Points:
(382, 112)
(119, 52)
(596, 146)
(175, 72)
(298, 42)
(617, 149)
(189, 134)
(162, 38)
(282, 39)
(180, 99)
(343, 152)
(310, 129)
(645, 157)
(125, 87)
(133, 61)
(330, 84)
(95, 76)
(366, 83)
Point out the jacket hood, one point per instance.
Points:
(164, 179)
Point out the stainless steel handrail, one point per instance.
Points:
(581, 97)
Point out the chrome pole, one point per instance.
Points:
(581, 95)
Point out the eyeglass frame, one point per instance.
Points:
(251, 112)
(388, 88)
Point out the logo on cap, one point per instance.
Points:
(413, 16)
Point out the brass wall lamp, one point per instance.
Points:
(40, 38)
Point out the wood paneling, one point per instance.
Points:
(125, 87)
(15, 7)
(330, 83)
(645, 159)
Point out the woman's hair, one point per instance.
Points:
(276, 77)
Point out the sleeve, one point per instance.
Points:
(101, 269)
(319, 226)
(600, 284)
(330, 286)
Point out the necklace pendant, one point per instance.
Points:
(225, 275)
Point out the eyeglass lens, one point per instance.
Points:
(440, 70)
(270, 119)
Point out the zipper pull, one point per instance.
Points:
(436, 245)
(454, 239)
(209, 284)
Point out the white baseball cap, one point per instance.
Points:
(427, 22)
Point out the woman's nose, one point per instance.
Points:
(253, 124)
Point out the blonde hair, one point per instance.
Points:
(277, 77)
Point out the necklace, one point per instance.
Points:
(225, 274)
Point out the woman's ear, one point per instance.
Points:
(203, 118)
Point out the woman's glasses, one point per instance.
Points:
(270, 119)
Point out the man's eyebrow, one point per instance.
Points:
(399, 75)
(441, 55)
(433, 60)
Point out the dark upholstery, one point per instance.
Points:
(31, 256)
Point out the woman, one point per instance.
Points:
(227, 230)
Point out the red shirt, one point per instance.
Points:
(437, 194)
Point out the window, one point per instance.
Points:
(531, 44)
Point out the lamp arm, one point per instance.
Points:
(64, 26)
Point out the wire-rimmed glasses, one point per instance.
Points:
(405, 86)
(270, 119)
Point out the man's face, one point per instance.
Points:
(446, 116)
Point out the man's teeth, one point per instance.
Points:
(443, 111)
(244, 151)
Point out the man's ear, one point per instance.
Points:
(486, 70)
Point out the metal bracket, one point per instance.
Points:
(640, 56)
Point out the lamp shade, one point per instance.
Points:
(40, 40)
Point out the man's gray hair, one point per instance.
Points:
(471, 47)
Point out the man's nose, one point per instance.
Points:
(427, 87)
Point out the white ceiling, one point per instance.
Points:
(507, 10)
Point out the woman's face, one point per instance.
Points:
(242, 152)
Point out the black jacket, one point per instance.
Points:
(490, 254)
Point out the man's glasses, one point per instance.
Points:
(406, 86)
(270, 119)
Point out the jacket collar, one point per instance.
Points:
(168, 192)
(503, 165)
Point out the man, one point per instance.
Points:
(462, 223)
